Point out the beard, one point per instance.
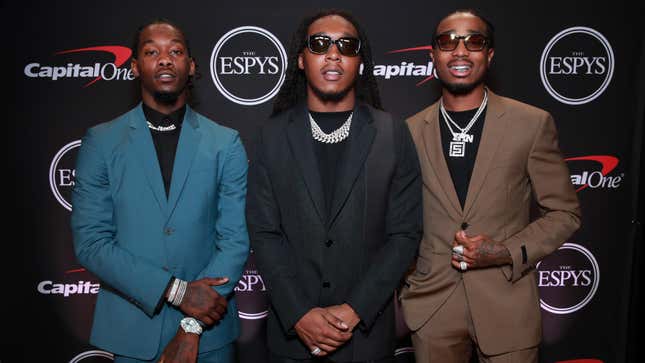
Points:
(460, 88)
(167, 98)
(332, 96)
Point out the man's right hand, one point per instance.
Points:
(319, 328)
(202, 302)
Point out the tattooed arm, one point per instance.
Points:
(480, 251)
(183, 348)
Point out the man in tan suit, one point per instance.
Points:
(484, 159)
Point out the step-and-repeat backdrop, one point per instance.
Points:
(579, 60)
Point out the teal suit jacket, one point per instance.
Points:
(134, 238)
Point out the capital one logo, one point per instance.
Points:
(62, 173)
(568, 279)
(251, 293)
(409, 68)
(95, 70)
(248, 65)
(594, 172)
(577, 65)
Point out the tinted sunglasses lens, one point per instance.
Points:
(319, 44)
(475, 42)
(349, 46)
(447, 42)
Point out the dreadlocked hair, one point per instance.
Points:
(294, 89)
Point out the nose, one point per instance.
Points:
(461, 50)
(164, 59)
(333, 54)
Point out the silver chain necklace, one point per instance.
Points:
(161, 128)
(459, 139)
(335, 136)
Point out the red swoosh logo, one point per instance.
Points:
(121, 54)
(75, 270)
(427, 48)
(607, 162)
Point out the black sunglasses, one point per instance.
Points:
(320, 44)
(473, 42)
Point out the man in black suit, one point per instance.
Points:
(334, 202)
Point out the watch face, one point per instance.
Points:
(190, 325)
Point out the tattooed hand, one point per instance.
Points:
(202, 302)
(182, 348)
(479, 251)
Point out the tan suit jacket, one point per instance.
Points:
(518, 161)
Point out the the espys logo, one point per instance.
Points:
(568, 279)
(250, 293)
(248, 65)
(92, 356)
(408, 68)
(590, 177)
(109, 71)
(577, 65)
(62, 173)
(80, 287)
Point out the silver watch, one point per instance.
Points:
(190, 325)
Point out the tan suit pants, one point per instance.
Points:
(449, 337)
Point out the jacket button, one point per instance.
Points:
(329, 243)
(464, 225)
(168, 231)
(326, 284)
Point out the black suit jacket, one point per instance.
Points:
(359, 254)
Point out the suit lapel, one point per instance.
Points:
(187, 146)
(434, 152)
(145, 151)
(302, 149)
(361, 136)
(492, 135)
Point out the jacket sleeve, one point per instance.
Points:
(232, 239)
(403, 228)
(94, 233)
(557, 201)
(271, 250)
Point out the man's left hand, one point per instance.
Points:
(479, 251)
(345, 313)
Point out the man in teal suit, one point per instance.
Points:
(159, 216)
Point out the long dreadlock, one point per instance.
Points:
(294, 88)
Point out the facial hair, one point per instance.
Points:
(460, 88)
(332, 96)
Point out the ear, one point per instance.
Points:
(491, 53)
(192, 67)
(134, 67)
(301, 61)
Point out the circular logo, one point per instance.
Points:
(93, 356)
(248, 65)
(577, 65)
(568, 279)
(62, 173)
(250, 293)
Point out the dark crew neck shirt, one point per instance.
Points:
(165, 141)
(329, 155)
(461, 168)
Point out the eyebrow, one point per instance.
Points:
(470, 31)
(176, 40)
(345, 34)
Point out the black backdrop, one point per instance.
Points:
(580, 60)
